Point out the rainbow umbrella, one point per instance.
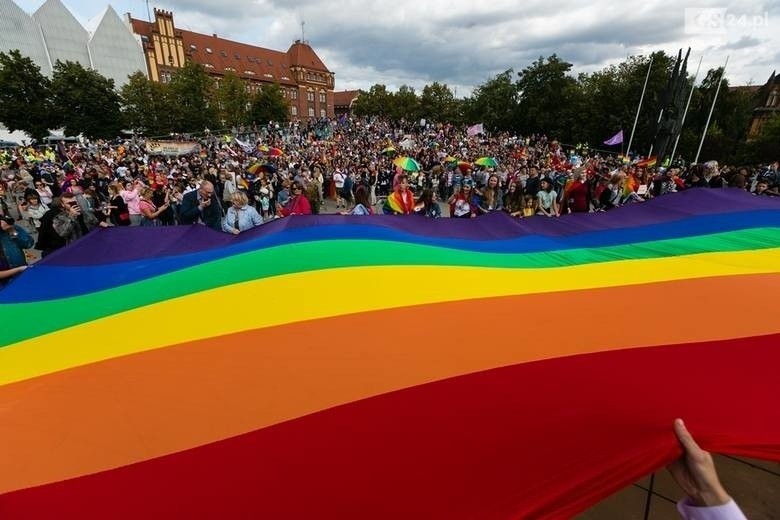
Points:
(389, 150)
(488, 162)
(407, 163)
(274, 152)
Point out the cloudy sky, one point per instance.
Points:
(464, 42)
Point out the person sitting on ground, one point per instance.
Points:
(240, 215)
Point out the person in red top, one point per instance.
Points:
(576, 195)
(297, 205)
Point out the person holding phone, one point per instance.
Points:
(61, 225)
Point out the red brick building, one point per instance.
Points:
(344, 101)
(306, 82)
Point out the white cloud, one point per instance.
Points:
(463, 43)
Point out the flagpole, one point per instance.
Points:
(688, 104)
(712, 109)
(639, 108)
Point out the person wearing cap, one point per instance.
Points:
(13, 240)
(240, 215)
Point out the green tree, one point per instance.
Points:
(232, 99)
(25, 96)
(85, 101)
(545, 91)
(376, 101)
(269, 105)
(438, 103)
(404, 104)
(190, 99)
(494, 103)
(144, 106)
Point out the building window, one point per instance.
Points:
(231, 69)
(165, 77)
(294, 110)
(285, 78)
(322, 112)
(294, 94)
(193, 47)
(251, 73)
(208, 65)
(310, 96)
(268, 75)
(311, 111)
(223, 54)
(208, 50)
(322, 97)
(237, 56)
(248, 88)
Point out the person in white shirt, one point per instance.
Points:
(338, 179)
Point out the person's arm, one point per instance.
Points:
(255, 216)
(227, 227)
(540, 206)
(22, 238)
(555, 210)
(64, 224)
(8, 273)
(695, 473)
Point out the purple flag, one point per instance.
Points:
(615, 139)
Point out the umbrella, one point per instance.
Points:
(274, 152)
(489, 162)
(407, 163)
(463, 166)
(262, 148)
(450, 159)
(389, 150)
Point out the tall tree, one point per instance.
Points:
(376, 101)
(494, 103)
(190, 99)
(545, 88)
(404, 103)
(144, 106)
(85, 101)
(25, 96)
(269, 105)
(232, 98)
(438, 103)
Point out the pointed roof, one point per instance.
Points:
(64, 36)
(18, 30)
(115, 51)
(93, 23)
(302, 55)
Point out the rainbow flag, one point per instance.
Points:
(649, 162)
(399, 367)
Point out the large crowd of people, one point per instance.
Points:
(50, 196)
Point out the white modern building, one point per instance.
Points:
(52, 33)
